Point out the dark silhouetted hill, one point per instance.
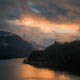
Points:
(64, 57)
(36, 58)
(12, 46)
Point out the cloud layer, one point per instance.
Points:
(41, 21)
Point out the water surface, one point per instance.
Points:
(14, 69)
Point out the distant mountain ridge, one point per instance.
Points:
(12, 46)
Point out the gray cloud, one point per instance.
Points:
(51, 9)
(58, 11)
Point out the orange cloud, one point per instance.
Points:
(48, 26)
(44, 32)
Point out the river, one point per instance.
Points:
(14, 69)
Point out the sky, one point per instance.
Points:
(41, 21)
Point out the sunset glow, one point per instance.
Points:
(39, 39)
(42, 74)
(46, 25)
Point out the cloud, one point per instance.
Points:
(41, 21)
(43, 32)
(59, 11)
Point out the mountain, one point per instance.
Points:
(12, 46)
(64, 57)
(36, 58)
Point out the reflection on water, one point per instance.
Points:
(35, 73)
(15, 70)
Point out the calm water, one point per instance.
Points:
(14, 69)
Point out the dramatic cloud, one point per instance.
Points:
(41, 21)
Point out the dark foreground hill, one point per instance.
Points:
(64, 57)
(12, 46)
